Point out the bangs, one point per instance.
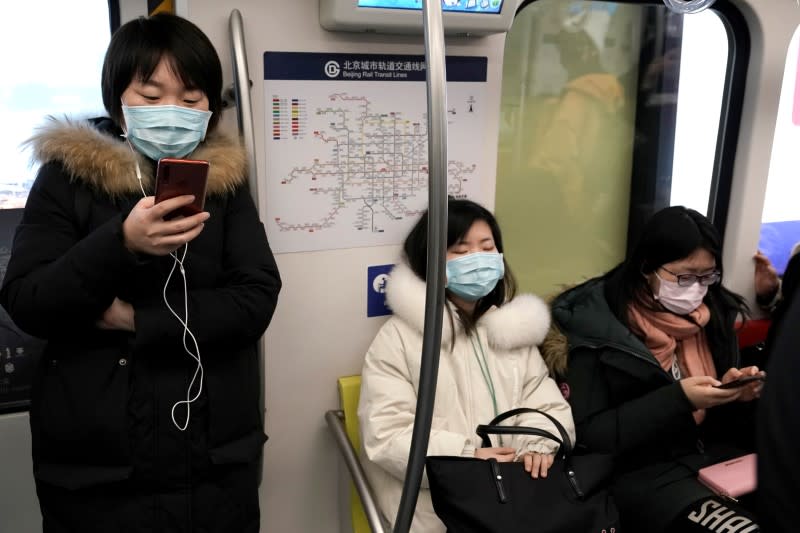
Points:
(150, 63)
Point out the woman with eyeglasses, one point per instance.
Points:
(648, 346)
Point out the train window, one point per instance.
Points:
(609, 112)
(780, 219)
(53, 55)
(54, 71)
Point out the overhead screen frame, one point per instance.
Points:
(346, 15)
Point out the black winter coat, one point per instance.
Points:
(102, 400)
(789, 288)
(779, 431)
(624, 403)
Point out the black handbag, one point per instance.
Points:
(473, 495)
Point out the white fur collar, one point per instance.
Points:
(524, 321)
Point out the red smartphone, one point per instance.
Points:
(176, 177)
(742, 381)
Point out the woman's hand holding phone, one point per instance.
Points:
(749, 380)
(704, 392)
(145, 230)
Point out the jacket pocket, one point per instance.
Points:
(236, 433)
(79, 418)
(244, 450)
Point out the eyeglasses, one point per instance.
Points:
(686, 280)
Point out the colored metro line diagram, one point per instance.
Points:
(350, 167)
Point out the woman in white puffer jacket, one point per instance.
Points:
(489, 363)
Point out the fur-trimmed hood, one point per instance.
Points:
(524, 321)
(92, 153)
(555, 351)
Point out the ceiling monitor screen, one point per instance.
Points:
(460, 6)
(459, 17)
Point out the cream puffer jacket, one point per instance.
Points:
(508, 336)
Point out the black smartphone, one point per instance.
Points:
(177, 177)
(742, 381)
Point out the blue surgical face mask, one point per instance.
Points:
(473, 276)
(165, 130)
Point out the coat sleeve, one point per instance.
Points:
(540, 392)
(387, 405)
(56, 281)
(604, 425)
(240, 308)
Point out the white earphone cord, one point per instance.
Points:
(198, 372)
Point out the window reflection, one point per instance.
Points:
(590, 110)
(780, 219)
(54, 70)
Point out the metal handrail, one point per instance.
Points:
(435, 272)
(244, 115)
(377, 522)
(241, 85)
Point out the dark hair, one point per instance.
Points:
(578, 53)
(139, 45)
(670, 235)
(461, 214)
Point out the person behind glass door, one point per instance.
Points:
(117, 443)
(648, 343)
(489, 363)
(575, 145)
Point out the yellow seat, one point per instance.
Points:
(349, 390)
(343, 423)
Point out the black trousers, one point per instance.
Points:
(223, 500)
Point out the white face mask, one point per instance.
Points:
(680, 300)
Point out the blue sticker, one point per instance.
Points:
(377, 277)
(777, 241)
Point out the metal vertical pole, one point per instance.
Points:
(244, 115)
(437, 246)
(241, 80)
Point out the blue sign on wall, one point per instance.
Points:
(376, 290)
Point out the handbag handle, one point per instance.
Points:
(493, 428)
(564, 443)
(522, 410)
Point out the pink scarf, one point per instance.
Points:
(667, 335)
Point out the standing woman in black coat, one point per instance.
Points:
(649, 342)
(138, 422)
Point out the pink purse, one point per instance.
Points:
(731, 479)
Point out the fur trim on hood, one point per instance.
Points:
(108, 165)
(524, 321)
(555, 348)
(555, 351)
